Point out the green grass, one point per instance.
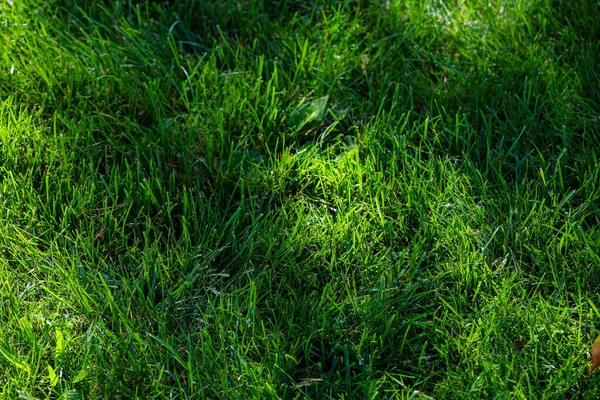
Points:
(299, 199)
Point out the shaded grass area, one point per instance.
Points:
(299, 199)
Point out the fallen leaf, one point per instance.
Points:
(100, 235)
(519, 345)
(309, 113)
(80, 376)
(53, 376)
(60, 343)
(595, 353)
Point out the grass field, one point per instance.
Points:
(268, 199)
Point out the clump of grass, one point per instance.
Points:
(298, 199)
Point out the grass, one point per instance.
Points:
(299, 199)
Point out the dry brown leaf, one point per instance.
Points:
(519, 345)
(595, 353)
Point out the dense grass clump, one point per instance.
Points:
(299, 199)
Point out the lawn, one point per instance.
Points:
(329, 199)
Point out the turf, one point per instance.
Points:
(299, 199)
